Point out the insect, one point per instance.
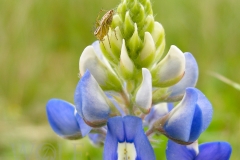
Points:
(102, 26)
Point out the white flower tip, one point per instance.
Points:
(144, 94)
(125, 60)
(175, 50)
(87, 54)
(149, 46)
(171, 69)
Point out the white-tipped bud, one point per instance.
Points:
(158, 35)
(90, 61)
(147, 54)
(170, 69)
(126, 64)
(92, 103)
(135, 42)
(101, 71)
(144, 94)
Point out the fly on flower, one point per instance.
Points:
(102, 26)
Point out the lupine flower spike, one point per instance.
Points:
(128, 91)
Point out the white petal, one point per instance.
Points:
(90, 61)
(144, 94)
(126, 63)
(126, 151)
(189, 79)
(194, 146)
(171, 69)
(148, 47)
(158, 35)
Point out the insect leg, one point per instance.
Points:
(108, 40)
(103, 44)
(104, 10)
(101, 41)
(106, 27)
(97, 20)
(102, 38)
(115, 33)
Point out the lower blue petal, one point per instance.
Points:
(62, 119)
(179, 152)
(206, 108)
(115, 134)
(85, 129)
(214, 151)
(179, 123)
(127, 129)
(91, 102)
(143, 146)
(96, 139)
(132, 125)
(196, 125)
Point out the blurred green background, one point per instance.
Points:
(40, 45)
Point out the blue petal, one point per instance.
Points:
(176, 151)
(157, 112)
(127, 129)
(202, 116)
(78, 98)
(85, 129)
(62, 119)
(178, 125)
(214, 151)
(91, 102)
(189, 79)
(132, 125)
(143, 147)
(196, 127)
(190, 118)
(170, 106)
(96, 139)
(115, 134)
(206, 109)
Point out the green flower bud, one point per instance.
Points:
(135, 42)
(112, 53)
(159, 39)
(144, 38)
(147, 53)
(126, 64)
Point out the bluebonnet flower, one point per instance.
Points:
(208, 151)
(128, 85)
(126, 140)
(193, 113)
(65, 121)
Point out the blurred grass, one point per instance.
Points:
(40, 45)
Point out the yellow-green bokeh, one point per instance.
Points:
(40, 45)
